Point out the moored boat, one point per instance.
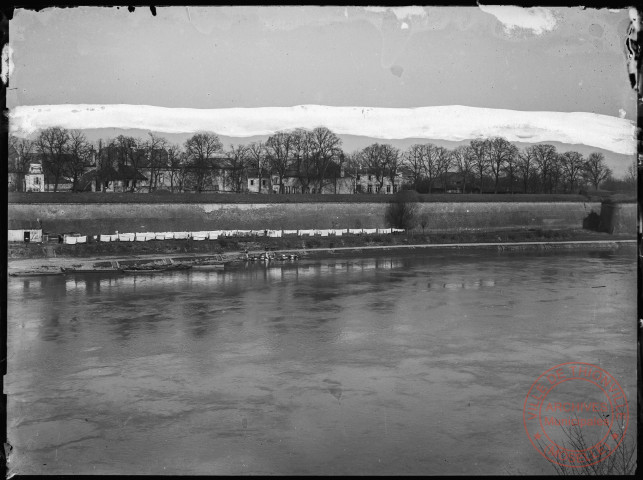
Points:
(90, 270)
(34, 274)
(177, 266)
(209, 266)
(156, 268)
(143, 270)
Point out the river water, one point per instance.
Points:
(400, 364)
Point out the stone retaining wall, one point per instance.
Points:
(95, 219)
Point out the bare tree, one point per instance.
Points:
(238, 160)
(353, 164)
(556, 176)
(500, 153)
(595, 169)
(525, 166)
(572, 165)
(52, 144)
(443, 164)
(480, 158)
(200, 150)
(175, 164)
(124, 148)
(339, 170)
(413, 164)
(430, 155)
(302, 158)
(375, 158)
(544, 156)
(393, 160)
(258, 159)
(79, 157)
(462, 159)
(20, 150)
(280, 148)
(157, 159)
(128, 155)
(326, 149)
(511, 168)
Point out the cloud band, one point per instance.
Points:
(454, 123)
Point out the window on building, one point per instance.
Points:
(377, 188)
(394, 188)
(370, 189)
(370, 177)
(388, 189)
(358, 177)
(263, 183)
(358, 188)
(36, 181)
(252, 182)
(286, 189)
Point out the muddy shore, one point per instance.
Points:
(44, 258)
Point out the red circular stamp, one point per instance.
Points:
(576, 414)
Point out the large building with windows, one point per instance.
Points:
(368, 181)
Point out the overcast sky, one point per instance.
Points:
(533, 60)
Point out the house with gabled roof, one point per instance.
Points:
(335, 181)
(109, 179)
(25, 174)
(258, 183)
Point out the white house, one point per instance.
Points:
(34, 179)
(367, 181)
(24, 231)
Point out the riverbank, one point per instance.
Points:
(43, 258)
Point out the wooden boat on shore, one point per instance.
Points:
(143, 270)
(209, 266)
(34, 274)
(155, 268)
(178, 266)
(90, 270)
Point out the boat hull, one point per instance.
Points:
(209, 266)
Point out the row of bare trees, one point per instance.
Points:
(314, 157)
(309, 155)
(484, 163)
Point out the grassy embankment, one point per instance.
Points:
(246, 198)
(226, 245)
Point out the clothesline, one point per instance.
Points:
(216, 234)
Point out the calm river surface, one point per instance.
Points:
(396, 364)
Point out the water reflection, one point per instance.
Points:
(405, 364)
